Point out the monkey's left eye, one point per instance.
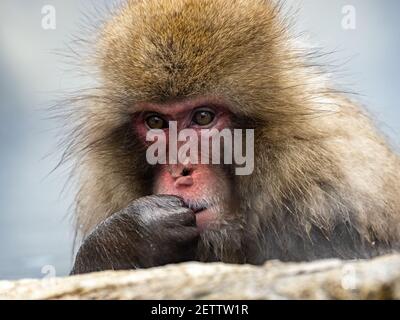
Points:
(203, 117)
(156, 122)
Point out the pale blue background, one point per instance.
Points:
(34, 223)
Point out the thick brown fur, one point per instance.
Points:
(326, 183)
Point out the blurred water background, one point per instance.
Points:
(35, 228)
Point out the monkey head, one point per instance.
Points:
(223, 65)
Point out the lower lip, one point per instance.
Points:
(205, 218)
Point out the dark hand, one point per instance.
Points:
(152, 231)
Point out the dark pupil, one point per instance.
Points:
(203, 117)
(155, 122)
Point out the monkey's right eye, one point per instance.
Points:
(156, 122)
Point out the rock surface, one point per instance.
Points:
(328, 279)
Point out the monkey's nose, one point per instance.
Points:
(183, 176)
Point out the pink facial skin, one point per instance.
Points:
(197, 184)
(197, 189)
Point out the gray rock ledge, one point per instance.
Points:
(327, 279)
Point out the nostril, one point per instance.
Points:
(186, 172)
(177, 171)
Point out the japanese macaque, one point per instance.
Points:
(325, 182)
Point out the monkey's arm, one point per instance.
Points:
(152, 231)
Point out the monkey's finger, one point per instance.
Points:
(183, 217)
(183, 234)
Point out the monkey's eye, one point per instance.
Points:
(203, 117)
(156, 122)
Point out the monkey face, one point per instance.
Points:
(203, 186)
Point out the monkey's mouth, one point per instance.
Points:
(197, 207)
(197, 210)
(206, 215)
